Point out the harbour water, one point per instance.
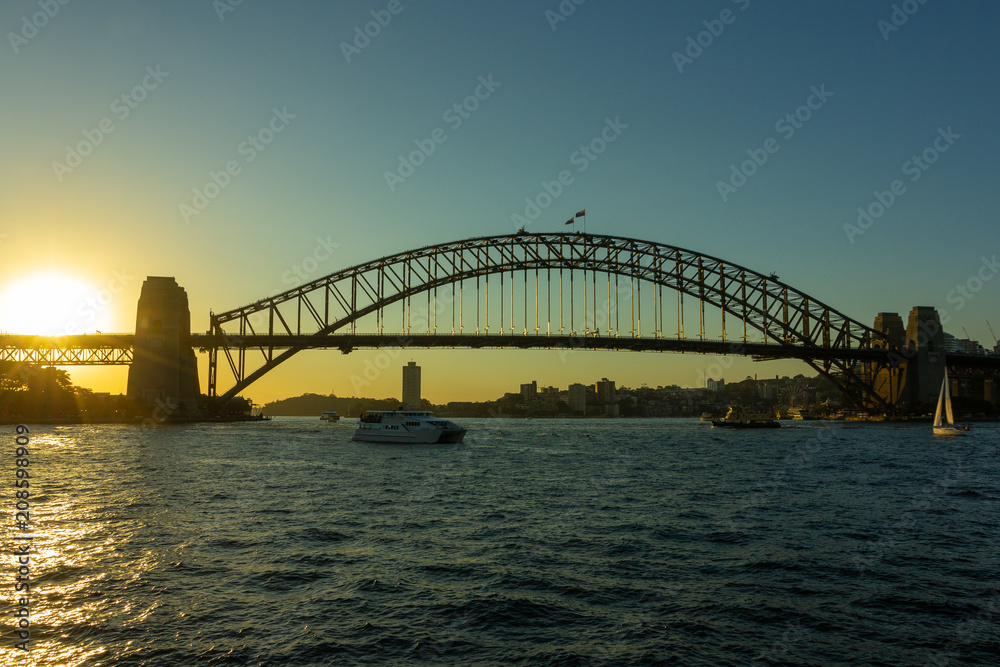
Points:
(542, 542)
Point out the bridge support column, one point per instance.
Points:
(164, 370)
(990, 392)
(889, 379)
(925, 357)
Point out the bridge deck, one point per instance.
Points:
(116, 349)
(349, 342)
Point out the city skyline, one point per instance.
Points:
(246, 149)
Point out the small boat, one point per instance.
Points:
(737, 417)
(942, 427)
(800, 414)
(406, 427)
(330, 416)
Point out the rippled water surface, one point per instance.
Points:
(546, 542)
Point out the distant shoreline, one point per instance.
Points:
(131, 421)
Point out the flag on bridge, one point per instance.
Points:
(582, 213)
(571, 221)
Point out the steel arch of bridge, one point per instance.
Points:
(792, 323)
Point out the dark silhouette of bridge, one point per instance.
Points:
(577, 291)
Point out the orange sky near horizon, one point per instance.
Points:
(463, 375)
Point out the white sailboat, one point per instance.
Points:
(944, 401)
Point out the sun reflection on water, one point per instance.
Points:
(81, 558)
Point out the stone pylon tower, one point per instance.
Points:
(926, 356)
(164, 370)
(889, 382)
(913, 378)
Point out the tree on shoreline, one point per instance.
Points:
(30, 392)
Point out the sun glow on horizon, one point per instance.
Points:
(53, 304)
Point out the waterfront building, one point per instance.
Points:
(578, 398)
(529, 391)
(605, 390)
(411, 386)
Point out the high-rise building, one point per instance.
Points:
(529, 391)
(605, 391)
(968, 346)
(577, 399)
(411, 386)
(715, 385)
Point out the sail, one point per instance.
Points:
(947, 399)
(937, 413)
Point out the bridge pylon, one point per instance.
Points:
(164, 369)
(912, 377)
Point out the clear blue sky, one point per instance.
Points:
(323, 175)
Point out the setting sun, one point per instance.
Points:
(53, 304)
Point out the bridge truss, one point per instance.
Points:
(81, 350)
(542, 290)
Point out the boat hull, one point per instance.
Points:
(737, 417)
(718, 423)
(406, 427)
(949, 430)
(421, 437)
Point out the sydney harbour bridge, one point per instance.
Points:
(545, 290)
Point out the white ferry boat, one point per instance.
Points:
(406, 427)
(330, 416)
